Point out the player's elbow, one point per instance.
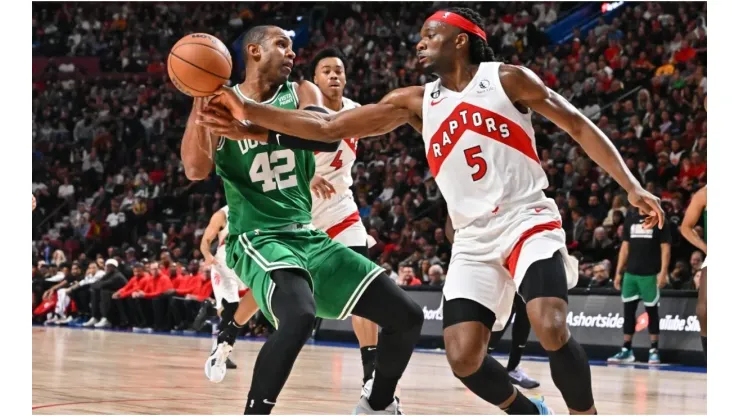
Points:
(196, 173)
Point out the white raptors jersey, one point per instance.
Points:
(480, 148)
(224, 231)
(336, 167)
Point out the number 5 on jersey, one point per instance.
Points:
(475, 160)
(263, 171)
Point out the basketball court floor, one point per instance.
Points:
(78, 371)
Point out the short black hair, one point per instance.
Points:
(255, 35)
(331, 52)
(479, 49)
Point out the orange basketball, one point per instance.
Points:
(199, 64)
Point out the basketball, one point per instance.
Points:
(199, 64)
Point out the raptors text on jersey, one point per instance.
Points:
(480, 147)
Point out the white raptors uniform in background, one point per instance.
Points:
(226, 284)
(339, 216)
(481, 151)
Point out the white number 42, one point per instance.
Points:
(262, 171)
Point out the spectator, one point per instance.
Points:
(436, 276)
(155, 296)
(406, 276)
(124, 301)
(79, 293)
(191, 291)
(101, 293)
(600, 275)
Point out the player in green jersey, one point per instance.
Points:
(696, 210)
(295, 273)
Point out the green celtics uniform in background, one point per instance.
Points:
(268, 192)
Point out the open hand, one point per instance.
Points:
(648, 205)
(322, 188)
(228, 99)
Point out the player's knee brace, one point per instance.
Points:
(653, 320)
(545, 278)
(630, 309)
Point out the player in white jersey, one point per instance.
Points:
(476, 124)
(337, 214)
(226, 284)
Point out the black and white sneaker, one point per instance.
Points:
(215, 367)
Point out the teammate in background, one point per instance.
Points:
(697, 210)
(476, 124)
(226, 284)
(338, 215)
(295, 273)
(642, 270)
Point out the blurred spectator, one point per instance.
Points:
(436, 276)
(406, 276)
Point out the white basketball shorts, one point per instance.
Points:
(349, 231)
(226, 284)
(491, 255)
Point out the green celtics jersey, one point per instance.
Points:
(267, 186)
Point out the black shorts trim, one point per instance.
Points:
(460, 310)
(545, 278)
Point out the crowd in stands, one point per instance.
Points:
(106, 168)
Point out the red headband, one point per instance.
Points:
(460, 22)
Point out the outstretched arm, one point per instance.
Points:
(525, 89)
(395, 109)
(693, 213)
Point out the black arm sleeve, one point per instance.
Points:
(292, 142)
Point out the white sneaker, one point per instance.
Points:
(66, 320)
(518, 376)
(51, 321)
(90, 323)
(215, 366)
(363, 407)
(103, 323)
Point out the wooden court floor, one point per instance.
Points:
(104, 372)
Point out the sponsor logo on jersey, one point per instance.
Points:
(285, 99)
(438, 101)
(484, 86)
